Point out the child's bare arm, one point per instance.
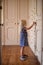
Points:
(30, 26)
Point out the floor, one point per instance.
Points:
(11, 56)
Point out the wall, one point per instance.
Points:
(2, 27)
(42, 35)
(35, 14)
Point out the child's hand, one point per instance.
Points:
(35, 23)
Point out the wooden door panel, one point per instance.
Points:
(23, 9)
(10, 22)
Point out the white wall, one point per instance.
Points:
(42, 35)
(32, 14)
(2, 28)
(39, 28)
(35, 14)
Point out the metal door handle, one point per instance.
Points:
(1, 24)
(17, 23)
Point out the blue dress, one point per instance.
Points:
(23, 37)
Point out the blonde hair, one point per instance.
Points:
(23, 23)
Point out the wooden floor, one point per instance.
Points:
(11, 56)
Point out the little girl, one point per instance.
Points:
(23, 38)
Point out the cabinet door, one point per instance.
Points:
(14, 12)
(10, 22)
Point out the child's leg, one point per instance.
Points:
(22, 56)
(22, 51)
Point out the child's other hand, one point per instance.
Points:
(35, 23)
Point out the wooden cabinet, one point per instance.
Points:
(14, 11)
